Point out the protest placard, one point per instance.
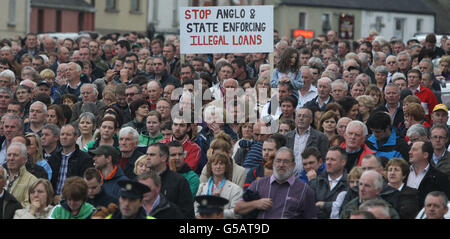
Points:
(226, 29)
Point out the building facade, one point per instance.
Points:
(13, 18)
(398, 25)
(121, 16)
(354, 19)
(61, 16)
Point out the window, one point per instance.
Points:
(399, 27)
(81, 21)
(58, 21)
(12, 13)
(135, 5)
(40, 22)
(379, 23)
(326, 26)
(302, 20)
(111, 5)
(419, 25)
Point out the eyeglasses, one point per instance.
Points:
(282, 161)
(438, 137)
(391, 62)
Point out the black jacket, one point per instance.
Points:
(399, 116)
(128, 170)
(312, 103)
(166, 210)
(166, 79)
(78, 163)
(321, 186)
(176, 189)
(434, 180)
(408, 203)
(102, 199)
(10, 205)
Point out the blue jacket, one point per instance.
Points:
(110, 185)
(395, 146)
(303, 176)
(296, 81)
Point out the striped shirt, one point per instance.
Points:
(291, 199)
(63, 172)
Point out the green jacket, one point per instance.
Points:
(192, 178)
(146, 140)
(95, 143)
(63, 211)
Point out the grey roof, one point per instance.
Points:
(404, 6)
(442, 8)
(78, 5)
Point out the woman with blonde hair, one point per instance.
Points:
(139, 165)
(262, 85)
(40, 194)
(366, 105)
(34, 149)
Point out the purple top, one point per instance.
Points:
(292, 199)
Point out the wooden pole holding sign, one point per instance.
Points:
(272, 64)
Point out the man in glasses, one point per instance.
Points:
(439, 138)
(285, 196)
(392, 66)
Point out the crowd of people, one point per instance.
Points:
(123, 126)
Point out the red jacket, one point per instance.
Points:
(192, 151)
(427, 98)
(366, 151)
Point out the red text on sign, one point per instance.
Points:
(197, 14)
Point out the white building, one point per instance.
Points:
(394, 24)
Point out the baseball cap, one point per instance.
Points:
(440, 107)
(43, 82)
(106, 150)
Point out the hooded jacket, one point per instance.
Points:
(394, 147)
(63, 211)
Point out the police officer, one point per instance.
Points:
(210, 207)
(130, 201)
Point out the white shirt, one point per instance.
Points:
(414, 179)
(215, 91)
(299, 147)
(302, 99)
(265, 111)
(3, 153)
(333, 182)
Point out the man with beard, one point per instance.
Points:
(180, 133)
(288, 197)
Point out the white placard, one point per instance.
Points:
(225, 29)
